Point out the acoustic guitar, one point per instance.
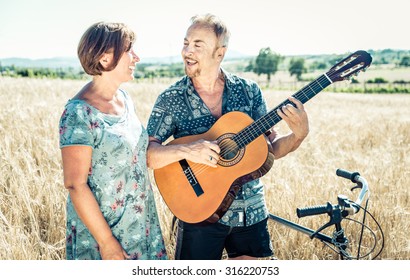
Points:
(196, 193)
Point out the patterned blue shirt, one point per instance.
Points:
(179, 111)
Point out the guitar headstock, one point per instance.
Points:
(352, 64)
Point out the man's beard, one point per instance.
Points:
(192, 74)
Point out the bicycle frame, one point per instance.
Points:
(313, 233)
(302, 229)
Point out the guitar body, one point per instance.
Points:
(219, 186)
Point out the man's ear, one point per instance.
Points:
(221, 53)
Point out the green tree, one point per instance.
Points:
(318, 65)
(297, 67)
(266, 63)
(405, 61)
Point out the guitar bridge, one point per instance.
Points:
(190, 176)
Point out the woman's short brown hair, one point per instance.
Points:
(101, 38)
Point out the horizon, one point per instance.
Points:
(47, 29)
(237, 55)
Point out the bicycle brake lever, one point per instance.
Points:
(355, 187)
(335, 217)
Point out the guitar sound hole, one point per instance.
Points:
(230, 153)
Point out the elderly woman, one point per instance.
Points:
(111, 212)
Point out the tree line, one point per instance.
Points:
(266, 63)
(143, 71)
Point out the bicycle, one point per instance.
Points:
(338, 242)
(338, 213)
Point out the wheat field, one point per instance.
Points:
(365, 133)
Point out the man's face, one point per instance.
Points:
(200, 52)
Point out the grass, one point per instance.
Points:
(365, 133)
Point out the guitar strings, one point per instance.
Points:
(254, 129)
(248, 134)
(245, 135)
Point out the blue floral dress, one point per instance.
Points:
(118, 178)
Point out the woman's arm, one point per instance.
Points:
(76, 165)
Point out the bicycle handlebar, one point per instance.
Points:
(347, 175)
(349, 207)
(314, 210)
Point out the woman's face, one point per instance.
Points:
(126, 65)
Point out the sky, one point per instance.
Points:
(52, 28)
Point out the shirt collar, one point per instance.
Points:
(229, 82)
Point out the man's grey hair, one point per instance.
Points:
(215, 24)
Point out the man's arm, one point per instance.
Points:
(297, 120)
(201, 151)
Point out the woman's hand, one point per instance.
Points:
(111, 250)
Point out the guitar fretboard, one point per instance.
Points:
(263, 124)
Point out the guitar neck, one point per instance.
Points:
(263, 124)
